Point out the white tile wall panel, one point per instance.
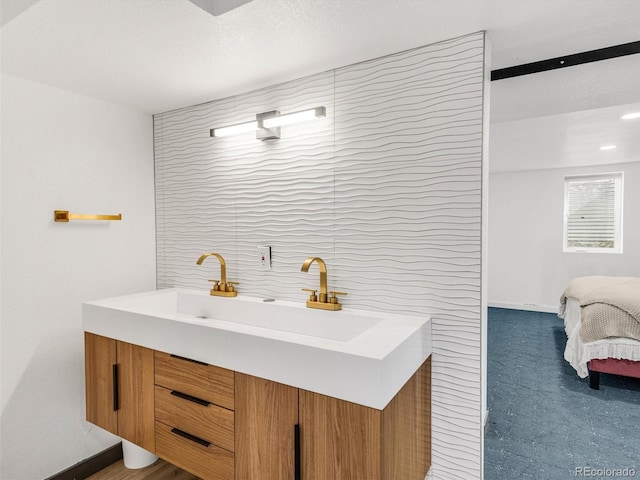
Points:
(408, 136)
(386, 189)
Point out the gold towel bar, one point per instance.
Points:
(65, 216)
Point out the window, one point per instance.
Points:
(593, 213)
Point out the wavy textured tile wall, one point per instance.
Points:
(386, 189)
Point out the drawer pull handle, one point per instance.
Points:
(189, 360)
(188, 436)
(296, 452)
(116, 392)
(190, 398)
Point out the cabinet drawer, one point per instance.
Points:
(207, 462)
(207, 382)
(207, 421)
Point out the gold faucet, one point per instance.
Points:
(220, 288)
(321, 301)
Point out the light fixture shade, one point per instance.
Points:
(267, 124)
(295, 117)
(234, 129)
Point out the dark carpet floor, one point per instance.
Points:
(544, 421)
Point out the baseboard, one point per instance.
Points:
(525, 306)
(86, 468)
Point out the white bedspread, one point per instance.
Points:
(578, 353)
(610, 306)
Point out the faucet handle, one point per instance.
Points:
(334, 296)
(230, 286)
(312, 296)
(215, 286)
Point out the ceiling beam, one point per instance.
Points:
(567, 61)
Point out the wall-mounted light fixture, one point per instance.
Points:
(234, 129)
(296, 117)
(267, 124)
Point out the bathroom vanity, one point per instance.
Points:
(231, 400)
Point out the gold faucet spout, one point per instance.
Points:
(223, 265)
(221, 288)
(323, 275)
(321, 301)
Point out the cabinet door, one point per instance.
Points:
(266, 417)
(340, 440)
(136, 389)
(406, 429)
(100, 381)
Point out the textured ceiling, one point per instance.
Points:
(158, 55)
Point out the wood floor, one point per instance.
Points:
(160, 470)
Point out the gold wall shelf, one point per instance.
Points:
(65, 216)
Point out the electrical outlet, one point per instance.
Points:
(264, 256)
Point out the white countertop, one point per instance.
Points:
(355, 355)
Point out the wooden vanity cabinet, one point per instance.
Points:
(225, 425)
(120, 389)
(287, 433)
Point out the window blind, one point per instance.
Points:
(591, 212)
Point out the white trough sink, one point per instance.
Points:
(360, 356)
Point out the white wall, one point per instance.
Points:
(387, 189)
(64, 151)
(527, 268)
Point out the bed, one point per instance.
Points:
(602, 322)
